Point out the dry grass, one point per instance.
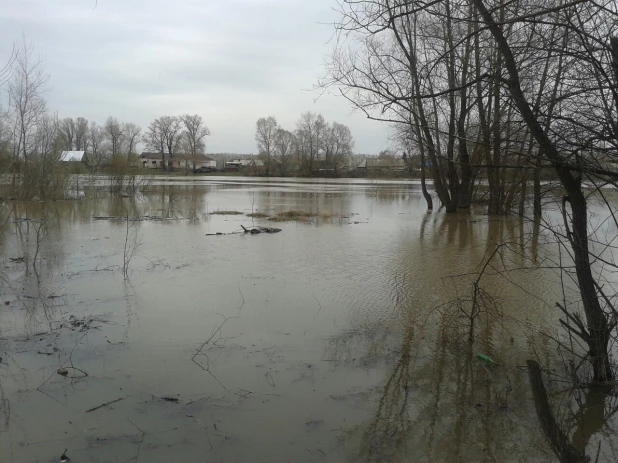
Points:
(291, 216)
(257, 215)
(226, 213)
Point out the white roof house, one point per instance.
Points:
(72, 156)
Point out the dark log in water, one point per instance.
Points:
(256, 230)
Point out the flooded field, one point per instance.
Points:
(175, 336)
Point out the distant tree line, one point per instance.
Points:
(313, 145)
(33, 138)
(167, 135)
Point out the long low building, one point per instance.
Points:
(179, 161)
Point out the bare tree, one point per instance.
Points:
(169, 130)
(26, 100)
(283, 147)
(114, 132)
(338, 144)
(546, 79)
(96, 139)
(412, 67)
(407, 137)
(67, 133)
(310, 131)
(5, 133)
(81, 134)
(578, 129)
(154, 139)
(132, 134)
(195, 133)
(48, 152)
(265, 135)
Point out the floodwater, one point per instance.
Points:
(338, 339)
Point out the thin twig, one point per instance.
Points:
(104, 405)
(141, 440)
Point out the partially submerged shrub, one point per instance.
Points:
(226, 213)
(291, 216)
(40, 177)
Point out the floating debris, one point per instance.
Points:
(291, 216)
(257, 230)
(170, 399)
(251, 231)
(486, 359)
(226, 213)
(104, 405)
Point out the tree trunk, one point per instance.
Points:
(426, 194)
(421, 148)
(536, 201)
(465, 187)
(418, 111)
(523, 193)
(597, 325)
(493, 174)
(482, 111)
(595, 317)
(453, 177)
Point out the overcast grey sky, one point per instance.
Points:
(231, 61)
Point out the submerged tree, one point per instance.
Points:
(584, 132)
(503, 87)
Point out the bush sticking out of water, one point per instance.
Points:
(291, 216)
(257, 215)
(40, 178)
(124, 178)
(226, 213)
(328, 216)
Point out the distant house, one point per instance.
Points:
(237, 165)
(382, 166)
(180, 161)
(94, 162)
(72, 156)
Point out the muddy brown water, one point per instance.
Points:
(331, 341)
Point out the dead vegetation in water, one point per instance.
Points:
(258, 230)
(226, 213)
(257, 215)
(292, 216)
